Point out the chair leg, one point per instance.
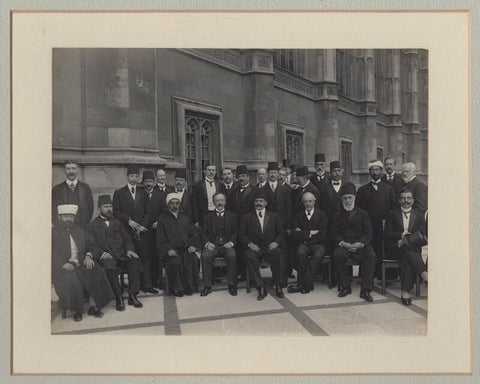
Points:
(384, 283)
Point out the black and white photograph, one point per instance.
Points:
(242, 192)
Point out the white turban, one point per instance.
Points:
(67, 209)
(375, 163)
(173, 195)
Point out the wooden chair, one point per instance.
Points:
(391, 263)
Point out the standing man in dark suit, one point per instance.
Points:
(228, 186)
(321, 176)
(261, 177)
(182, 190)
(401, 224)
(418, 189)
(330, 200)
(202, 194)
(162, 186)
(377, 198)
(116, 251)
(282, 176)
(278, 197)
(219, 236)
(73, 191)
(310, 232)
(262, 235)
(243, 197)
(305, 185)
(351, 234)
(178, 243)
(130, 204)
(392, 178)
(74, 269)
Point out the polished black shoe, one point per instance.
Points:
(279, 292)
(132, 300)
(232, 290)
(150, 290)
(344, 292)
(120, 305)
(406, 301)
(179, 293)
(366, 296)
(64, 313)
(94, 311)
(206, 291)
(77, 316)
(307, 289)
(295, 288)
(262, 293)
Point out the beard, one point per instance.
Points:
(108, 214)
(67, 224)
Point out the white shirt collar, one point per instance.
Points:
(308, 182)
(413, 177)
(229, 185)
(311, 211)
(409, 210)
(161, 185)
(273, 182)
(209, 180)
(74, 182)
(375, 182)
(262, 210)
(130, 186)
(245, 186)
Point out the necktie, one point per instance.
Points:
(309, 213)
(72, 187)
(336, 183)
(375, 185)
(133, 190)
(260, 214)
(272, 187)
(406, 214)
(228, 187)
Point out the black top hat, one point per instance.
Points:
(261, 193)
(242, 170)
(148, 175)
(302, 171)
(133, 169)
(348, 189)
(286, 162)
(182, 173)
(104, 199)
(319, 158)
(416, 240)
(335, 164)
(272, 166)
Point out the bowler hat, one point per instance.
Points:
(416, 240)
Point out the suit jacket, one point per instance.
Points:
(299, 192)
(230, 195)
(124, 207)
(243, 201)
(318, 221)
(113, 239)
(280, 202)
(420, 194)
(208, 228)
(155, 206)
(186, 203)
(397, 183)
(330, 200)
(320, 183)
(61, 250)
(394, 226)
(175, 233)
(200, 199)
(251, 231)
(351, 228)
(85, 202)
(377, 203)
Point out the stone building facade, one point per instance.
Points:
(182, 107)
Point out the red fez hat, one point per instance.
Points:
(335, 164)
(182, 173)
(319, 158)
(261, 193)
(272, 166)
(242, 170)
(302, 171)
(148, 175)
(133, 169)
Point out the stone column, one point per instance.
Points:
(260, 140)
(395, 115)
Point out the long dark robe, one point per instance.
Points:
(69, 285)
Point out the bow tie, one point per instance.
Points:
(220, 214)
(179, 190)
(335, 182)
(309, 213)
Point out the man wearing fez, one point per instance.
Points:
(351, 233)
(116, 252)
(418, 189)
(330, 201)
(177, 244)
(130, 205)
(219, 236)
(377, 198)
(403, 230)
(278, 197)
(202, 193)
(242, 204)
(228, 186)
(392, 178)
(261, 177)
(310, 232)
(74, 268)
(320, 177)
(305, 186)
(73, 191)
(262, 235)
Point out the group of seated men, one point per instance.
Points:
(290, 218)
